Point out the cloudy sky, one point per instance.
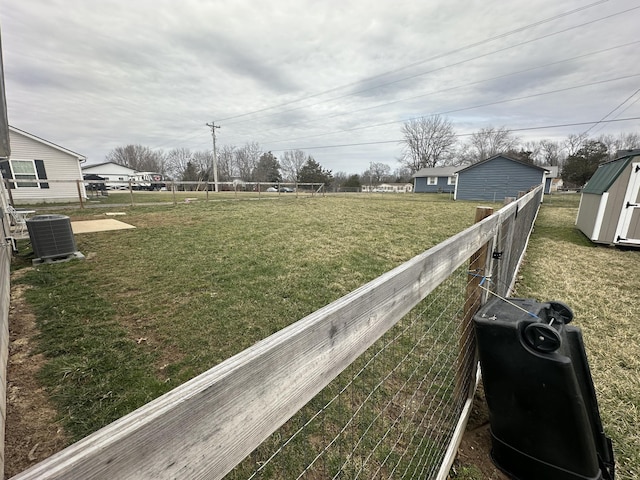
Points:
(334, 78)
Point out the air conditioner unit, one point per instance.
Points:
(52, 238)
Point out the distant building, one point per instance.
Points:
(435, 180)
(389, 188)
(111, 172)
(41, 171)
(552, 180)
(496, 178)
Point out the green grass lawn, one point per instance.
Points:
(602, 285)
(194, 284)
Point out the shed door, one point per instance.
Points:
(628, 231)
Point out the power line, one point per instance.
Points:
(448, 89)
(381, 142)
(463, 108)
(443, 67)
(612, 111)
(435, 57)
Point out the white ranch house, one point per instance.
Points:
(39, 171)
(110, 171)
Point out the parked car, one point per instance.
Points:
(286, 189)
(272, 189)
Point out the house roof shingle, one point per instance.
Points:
(436, 172)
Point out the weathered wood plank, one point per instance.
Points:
(205, 427)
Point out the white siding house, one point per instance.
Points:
(39, 171)
(110, 171)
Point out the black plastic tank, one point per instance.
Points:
(545, 422)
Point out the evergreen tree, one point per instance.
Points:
(267, 169)
(581, 166)
(312, 172)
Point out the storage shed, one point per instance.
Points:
(496, 178)
(609, 210)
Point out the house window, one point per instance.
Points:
(432, 180)
(24, 170)
(451, 180)
(24, 173)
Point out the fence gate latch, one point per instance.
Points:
(497, 255)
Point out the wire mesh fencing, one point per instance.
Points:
(374, 385)
(510, 244)
(391, 413)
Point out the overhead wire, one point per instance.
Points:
(612, 111)
(405, 67)
(448, 66)
(505, 34)
(509, 130)
(448, 89)
(461, 62)
(455, 110)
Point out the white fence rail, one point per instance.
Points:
(209, 425)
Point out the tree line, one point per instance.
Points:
(248, 163)
(432, 141)
(427, 142)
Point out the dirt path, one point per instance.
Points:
(32, 433)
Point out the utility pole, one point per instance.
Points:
(215, 157)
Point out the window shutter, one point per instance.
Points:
(42, 173)
(5, 168)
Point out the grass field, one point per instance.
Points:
(602, 286)
(197, 283)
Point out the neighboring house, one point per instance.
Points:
(389, 188)
(41, 171)
(552, 180)
(435, 180)
(609, 209)
(110, 171)
(496, 178)
(5, 145)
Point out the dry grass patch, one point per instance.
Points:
(196, 283)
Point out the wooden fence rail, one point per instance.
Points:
(205, 427)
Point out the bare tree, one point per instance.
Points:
(624, 141)
(378, 172)
(550, 152)
(203, 160)
(490, 141)
(177, 161)
(402, 175)
(573, 143)
(226, 163)
(138, 157)
(533, 149)
(246, 159)
(427, 142)
(629, 141)
(291, 163)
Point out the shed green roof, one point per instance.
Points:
(606, 174)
